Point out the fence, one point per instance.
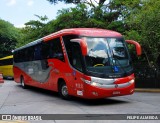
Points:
(147, 76)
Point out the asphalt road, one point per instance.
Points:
(16, 100)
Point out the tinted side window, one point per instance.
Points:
(73, 51)
(30, 53)
(6, 62)
(21, 54)
(37, 52)
(15, 56)
(68, 45)
(24, 55)
(53, 49)
(76, 56)
(45, 50)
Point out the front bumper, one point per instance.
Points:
(91, 92)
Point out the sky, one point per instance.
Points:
(19, 12)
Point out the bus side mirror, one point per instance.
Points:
(82, 44)
(137, 45)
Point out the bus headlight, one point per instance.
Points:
(91, 82)
(95, 84)
(132, 81)
(99, 82)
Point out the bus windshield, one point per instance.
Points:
(107, 55)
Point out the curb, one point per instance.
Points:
(147, 90)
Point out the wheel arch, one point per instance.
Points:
(61, 85)
(21, 76)
(59, 82)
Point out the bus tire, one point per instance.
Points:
(23, 83)
(63, 91)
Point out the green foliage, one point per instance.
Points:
(117, 26)
(144, 23)
(8, 38)
(34, 29)
(81, 16)
(75, 1)
(132, 34)
(72, 18)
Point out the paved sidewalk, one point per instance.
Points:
(147, 90)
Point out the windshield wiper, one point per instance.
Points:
(113, 64)
(117, 60)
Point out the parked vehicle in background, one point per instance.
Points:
(6, 66)
(84, 62)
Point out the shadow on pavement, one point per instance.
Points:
(87, 102)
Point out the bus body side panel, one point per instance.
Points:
(35, 73)
(27, 78)
(62, 71)
(42, 74)
(52, 74)
(57, 72)
(19, 72)
(78, 86)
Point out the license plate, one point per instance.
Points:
(116, 92)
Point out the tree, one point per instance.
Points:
(112, 13)
(83, 16)
(8, 38)
(144, 24)
(34, 29)
(77, 1)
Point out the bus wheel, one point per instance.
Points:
(23, 83)
(63, 91)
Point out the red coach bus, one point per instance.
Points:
(83, 62)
